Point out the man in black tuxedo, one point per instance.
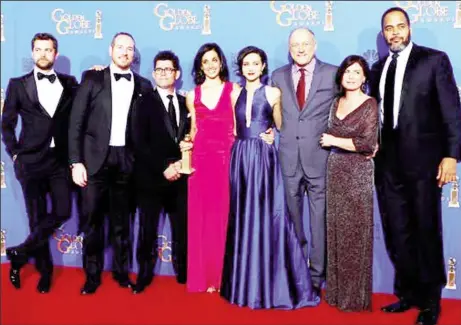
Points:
(420, 146)
(101, 156)
(43, 99)
(161, 124)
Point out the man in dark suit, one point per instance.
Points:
(43, 99)
(420, 146)
(161, 124)
(101, 156)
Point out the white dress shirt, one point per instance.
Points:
(122, 92)
(402, 60)
(163, 95)
(48, 93)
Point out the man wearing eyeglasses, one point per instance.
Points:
(161, 124)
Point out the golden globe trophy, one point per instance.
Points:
(206, 28)
(2, 242)
(186, 160)
(2, 102)
(328, 27)
(2, 27)
(457, 15)
(98, 25)
(451, 275)
(454, 195)
(2, 175)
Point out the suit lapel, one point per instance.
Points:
(136, 91)
(166, 118)
(106, 94)
(316, 79)
(407, 76)
(32, 93)
(64, 93)
(182, 115)
(291, 87)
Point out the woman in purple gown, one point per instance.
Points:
(264, 266)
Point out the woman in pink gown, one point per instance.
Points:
(212, 133)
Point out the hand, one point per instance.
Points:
(79, 175)
(374, 152)
(327, 140)
(15, 157)
(172, 172)
(186, 146)
(447, 171)
(98, 67)
(268, 136)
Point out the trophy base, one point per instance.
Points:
(187, 171)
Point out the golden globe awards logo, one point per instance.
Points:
(67, 243)
(428, 11)
(183, 19)
(77, 24)
(164, 248)
(294, 14)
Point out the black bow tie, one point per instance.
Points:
(127, 76)
(50, 77)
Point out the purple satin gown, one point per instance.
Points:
(264, 266)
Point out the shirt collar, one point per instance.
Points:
(164, 93)
(405, 53)
(37, 70)
(114, 69)
(309, 67)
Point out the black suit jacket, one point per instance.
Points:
(429, 121)
(91, 118)
(154, 142)
(38, 127)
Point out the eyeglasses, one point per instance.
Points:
(297, 45)
(167, 71)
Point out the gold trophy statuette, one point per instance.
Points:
(98, 25)
(451, 281)
(328, 27)
(206, 28)
(457, 15)
(2, 102)
(2, 28)
(454, 195)
(186, 167)
(3, 243)
(2, 175)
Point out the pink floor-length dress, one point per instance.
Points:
(208, 200)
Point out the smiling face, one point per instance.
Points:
(302, 46)
(252, 67)
(353, 77)
(211, 64)
(396, 31)
(122, 51)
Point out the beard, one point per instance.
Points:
(44, 64)
(397, 48)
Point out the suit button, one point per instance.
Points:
(297, 138)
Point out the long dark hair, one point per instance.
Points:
(347, 62)
(197, 73)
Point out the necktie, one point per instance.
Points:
(127, 76)
(301, 89)
(51, 77)
(388, 124)
(172, 115)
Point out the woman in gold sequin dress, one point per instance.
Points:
(352, 135)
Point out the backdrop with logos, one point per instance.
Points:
(84, 31)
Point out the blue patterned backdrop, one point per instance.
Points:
(84, 31)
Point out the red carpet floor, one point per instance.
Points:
(166, 302)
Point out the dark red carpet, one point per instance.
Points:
(166, 302)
